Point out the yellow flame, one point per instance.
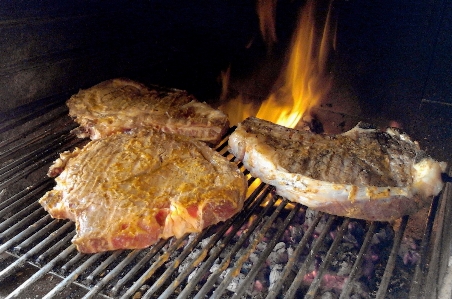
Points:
(304, 80)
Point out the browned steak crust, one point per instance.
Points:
(363, 173)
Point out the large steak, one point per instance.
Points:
(363, 173)
(120, 105)
(130, 190)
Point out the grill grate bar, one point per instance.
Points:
(40, 151)
(203, 264)
(114, 255)
(208, 285)
(24, 233)
(20, 199)
(313, 288)
(437, 267)
(152, 252)
(237, 222)
(38, 161)
(421, 266)
(273, 292)
(39, 234)
(65, 268)
(43, 271)
(112, 274)
(38, 210)
(381, 294)
(348, 287)
(34, 135)
(22, 116)
(174, 265)
(154, 267)
(20, 261)
(54, 249)
(252, 274)
(291, 292)
(73, 275)
(257, 238)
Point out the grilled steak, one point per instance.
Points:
(363, 173)
(120, 105)
(130, 190)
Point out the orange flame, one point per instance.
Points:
(304, 81)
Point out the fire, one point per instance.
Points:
(304, 81)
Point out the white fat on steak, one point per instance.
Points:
(364, 173)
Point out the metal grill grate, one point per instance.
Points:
(272, 249)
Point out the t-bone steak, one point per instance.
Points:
(127, 191)
(121, 104)
(363, 173)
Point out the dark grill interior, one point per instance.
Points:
(271, 249)
(393, 58)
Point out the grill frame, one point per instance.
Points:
(34, 135)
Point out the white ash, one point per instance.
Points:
(275, 275)
(328, 295)
(192, 274)
(236, 282)
(310, 217)
(254, 257)
(278, 257)
(271, 270)
(189, 260)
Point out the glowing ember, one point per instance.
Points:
(304, 80)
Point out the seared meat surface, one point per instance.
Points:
(363, 173)
(120, 105)
(130, 190)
